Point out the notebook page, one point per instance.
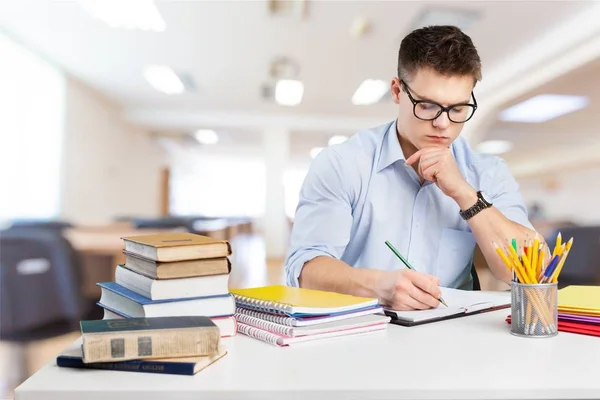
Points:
(459, 301)
(472, 300)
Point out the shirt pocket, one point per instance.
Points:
(455, 255)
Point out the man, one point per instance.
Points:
(413, 182)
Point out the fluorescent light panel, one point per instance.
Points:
(206, 136)
(337, 139)
(494, 146)
(370, 91)
(126, 14)
(543, 108)
(289, 92)
(164, 79)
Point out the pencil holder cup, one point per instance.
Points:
(534, 310)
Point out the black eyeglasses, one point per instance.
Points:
(428, 110)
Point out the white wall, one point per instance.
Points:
(109, 167)
(571, 195)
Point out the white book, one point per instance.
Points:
(227, 325)
(124, 301)
(165, 289)
(460, 303)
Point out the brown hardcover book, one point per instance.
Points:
(177, 269)
(176, 246)
(142, 338)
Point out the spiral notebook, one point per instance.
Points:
(280, 340)
(292, 301)
(307, 320)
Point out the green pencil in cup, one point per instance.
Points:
(405, 261)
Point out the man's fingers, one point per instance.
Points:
(404, 301)
(424, 297)
(423, 282)
(431, 172)
(415, 157)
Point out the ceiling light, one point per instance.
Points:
(494, 146)
(337, 139)
(164, 79)
(543, 108)
(206, 136)
(315, 151)
(126, 14)
(288, 92)
(369, 92)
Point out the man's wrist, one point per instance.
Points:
(466, 198)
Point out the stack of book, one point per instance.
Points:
(168, 345)
(284, 316)
(172, 274)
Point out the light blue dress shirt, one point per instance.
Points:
(360, 193)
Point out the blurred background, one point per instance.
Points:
(123, 117)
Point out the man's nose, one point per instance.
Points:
(442, 121)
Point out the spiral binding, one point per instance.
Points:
(258, 334)
(262, 305)
(266, 325)
(276, 319)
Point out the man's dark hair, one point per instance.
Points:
(446, 49)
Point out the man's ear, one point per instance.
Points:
(396, 89)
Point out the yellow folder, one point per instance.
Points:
(292, 300)
(580, 298)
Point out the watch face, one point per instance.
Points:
(487, 198)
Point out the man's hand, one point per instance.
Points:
(408, 290)
(437, 164)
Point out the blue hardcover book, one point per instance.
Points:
(72, 358)
(125, 301)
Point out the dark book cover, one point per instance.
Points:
(143, 324)
(72, 358)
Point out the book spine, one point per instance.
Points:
(266, 325)
(259, 334)
(155, 367)
(163, 343)
(277, 319)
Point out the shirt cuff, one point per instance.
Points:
(296, 262)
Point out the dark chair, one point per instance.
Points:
(40, 224)
(161, 223)
(475, 277)
(40, 284)
(582, 266)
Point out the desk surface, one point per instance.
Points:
(466, 358)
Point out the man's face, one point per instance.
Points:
(427, 84)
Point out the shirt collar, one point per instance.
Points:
(390, 149)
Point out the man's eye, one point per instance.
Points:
(427, 106)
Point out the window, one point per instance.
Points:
(32, 98)
(218, 186)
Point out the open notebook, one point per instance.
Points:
(460, 303)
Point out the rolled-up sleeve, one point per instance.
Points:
(323, 218)
(506, 197)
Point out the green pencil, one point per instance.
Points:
(405, 261)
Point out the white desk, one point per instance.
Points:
(465, 358)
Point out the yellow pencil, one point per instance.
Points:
(554, 277)
(541, 258)
(557, 245)
(527, 264)
(534, 255)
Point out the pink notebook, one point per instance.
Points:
(293, 336)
